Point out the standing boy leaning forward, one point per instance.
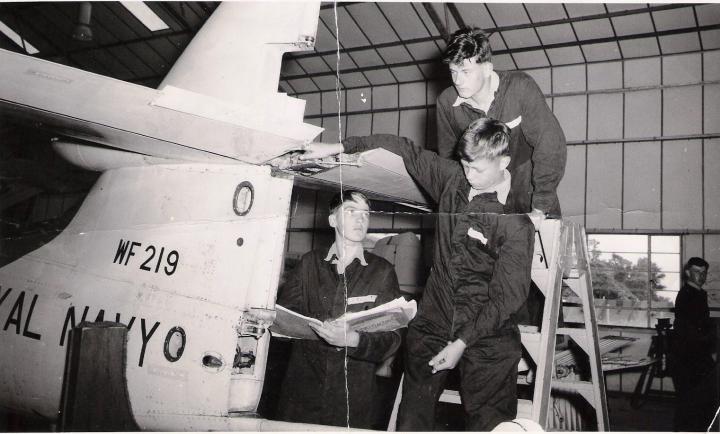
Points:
(479, 279)
(537, 143)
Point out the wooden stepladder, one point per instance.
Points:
(562, 263)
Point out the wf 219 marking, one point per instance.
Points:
(153, 258)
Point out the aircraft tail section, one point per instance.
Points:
(178, 253)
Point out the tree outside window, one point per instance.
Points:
(635, 277)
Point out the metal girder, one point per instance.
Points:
(519, 50)
(441, 27)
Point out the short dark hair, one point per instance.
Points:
(467, 43)
(484, 138)
(696, 262)
(345, 196)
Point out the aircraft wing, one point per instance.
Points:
(379, 173)
(219, 102)
(86, 106)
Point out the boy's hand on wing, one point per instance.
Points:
(318, 150)
(337, 334)
(448, 357)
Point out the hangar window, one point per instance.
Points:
(635, 277)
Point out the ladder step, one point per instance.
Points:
(543, 280)
(571, 385)
(578, 334)
(573, 273)
(530, 337)
(578, 285)
(528, 329)
(584, 388)
(524, 409)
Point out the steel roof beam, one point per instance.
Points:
(523, 49)
(442, 29)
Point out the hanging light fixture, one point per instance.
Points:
(82, 31)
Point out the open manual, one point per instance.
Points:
(384, 318)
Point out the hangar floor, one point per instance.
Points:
(656, 415)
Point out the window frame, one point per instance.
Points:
(661, 311)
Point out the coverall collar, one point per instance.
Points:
(354, 253)
(502, 188)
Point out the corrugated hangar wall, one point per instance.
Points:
(643, 139)
(643, 152)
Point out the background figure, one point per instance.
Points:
(693, 367)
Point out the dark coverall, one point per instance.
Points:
(537, 144)
(693, 367)
(474, 290)
(314, 387)
(537, 147)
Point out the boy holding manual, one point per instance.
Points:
(325, 285)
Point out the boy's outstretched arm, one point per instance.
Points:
(427, 168)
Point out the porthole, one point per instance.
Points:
(174, 344)
(243, 200)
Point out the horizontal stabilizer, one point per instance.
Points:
(115, 113)
(377, 172)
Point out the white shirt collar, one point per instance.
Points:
(485, 104)
(351, 254)
(502, 188)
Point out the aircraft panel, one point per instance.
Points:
(177, 253)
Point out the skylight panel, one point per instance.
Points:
(10, 33)
(146, 16)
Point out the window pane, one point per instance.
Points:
(669, 281)
(617, 261)
(623, 317)
(666, 262)
(618, 243)
(634, 284)
(664, 299)
(665, 244)
(620, 284)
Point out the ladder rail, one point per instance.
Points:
(545, 365)
(568, 261)
(593, 348)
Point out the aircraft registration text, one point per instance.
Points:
(126, 250)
